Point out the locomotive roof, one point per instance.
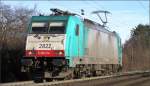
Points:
(94, 25)
(88, 23)
(46, 18)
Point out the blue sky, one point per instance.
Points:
(124, 16)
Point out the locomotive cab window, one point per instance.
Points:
(77, 30)
(56, 28)
(39, 27)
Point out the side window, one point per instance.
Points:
(77, 30)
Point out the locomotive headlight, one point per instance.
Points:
(30, 53)
(60, 53)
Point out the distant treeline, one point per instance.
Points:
(136, 51)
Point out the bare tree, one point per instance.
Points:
(13, 30)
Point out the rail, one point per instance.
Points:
(85, 81)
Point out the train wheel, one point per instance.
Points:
(70, 76)
(39, 80)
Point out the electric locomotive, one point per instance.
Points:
(65, 46)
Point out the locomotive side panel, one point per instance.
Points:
(100, 45)
(101, 48)
(74, 46)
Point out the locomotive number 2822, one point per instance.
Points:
(44, 45)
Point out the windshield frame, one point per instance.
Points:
(48, 28)
(45, 27)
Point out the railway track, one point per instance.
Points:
(23, 83)
(120, 79)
